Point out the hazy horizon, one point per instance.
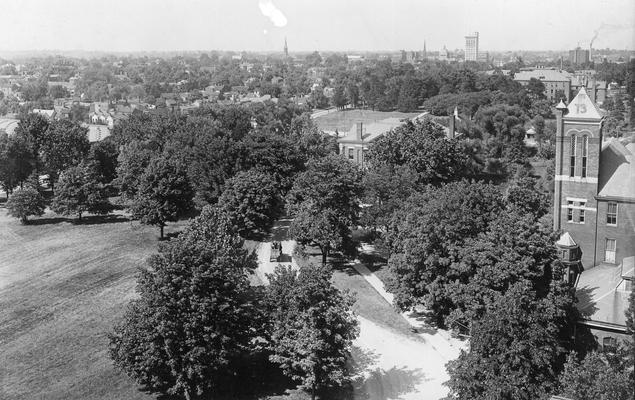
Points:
(328, 25)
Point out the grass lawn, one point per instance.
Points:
(62, 286)
(344, 120)
(369, 304)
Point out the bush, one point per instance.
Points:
(26, 202)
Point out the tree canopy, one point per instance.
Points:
(194, 314)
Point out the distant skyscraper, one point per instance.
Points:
(579, 56)
(286, 49)
(424, 56)
(471, 47)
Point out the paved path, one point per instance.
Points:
(439, 339)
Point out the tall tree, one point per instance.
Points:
(423, 147)
(79, 192)
(25, 202)
(313, 326)
(65, 145)
(332, 183)
(514, 350)
(251, 200)
(194, 314)
(164, 192)
(596, 377)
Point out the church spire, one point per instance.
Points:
(286, 48)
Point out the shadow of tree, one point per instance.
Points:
(586, 303)
(86, 220)
(387, 384)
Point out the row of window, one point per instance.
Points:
(578, 156)
(611, 212)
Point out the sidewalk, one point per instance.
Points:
(440, 339)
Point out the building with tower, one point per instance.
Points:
(286, 48)
(471, 47)
(594, 209)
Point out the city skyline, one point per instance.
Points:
(262, 25)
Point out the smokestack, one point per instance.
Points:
(359, 131)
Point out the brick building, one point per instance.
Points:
(594, 207)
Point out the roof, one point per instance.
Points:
(97, 132)
(566, 240)
(602, 295)
(617, 169)
(373, 130)
(8, 125)
(582, 107)
(550, 75)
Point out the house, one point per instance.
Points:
(356, 141)
(594, 209)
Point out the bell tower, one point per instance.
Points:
(578, 148)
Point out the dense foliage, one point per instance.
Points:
(194, 314)
(25, 202)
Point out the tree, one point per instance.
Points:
(65, 144)
(313, 326)
(323, 228)
(103, 159)
(195, 313)
(164, 192)
(251, 201)
(30, 134)
(423, 147)
(79, 192)
(596, 377)
(426, 231)
(536, 89)
(339, 98)
(514, 350)
(25, 202)
(331, 182)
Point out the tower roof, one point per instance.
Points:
(582, 107)
(566, 241)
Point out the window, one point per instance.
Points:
(582, 212)
(350, 153)
(570, 211)
(572, 156)
(611, 213)
(585, 151)
(609, 251)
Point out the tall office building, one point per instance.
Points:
(579, 56)
(471, 47)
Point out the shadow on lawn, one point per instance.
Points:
(87, 220)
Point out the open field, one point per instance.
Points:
(344, 120)
(62, 286)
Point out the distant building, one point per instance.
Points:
(579, 56)
(554, 81)
(471, 47)
(594, 208)
(286, 48)
(354, 144)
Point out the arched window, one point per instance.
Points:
(585, 152)
(572, 155)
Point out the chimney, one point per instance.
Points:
(359, 131)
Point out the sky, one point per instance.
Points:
(336, 25)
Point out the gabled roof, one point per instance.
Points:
(582, 107)
(617, 169)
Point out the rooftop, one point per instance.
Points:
(550, 75)
(603, 294)
(582, 107)
(373, 130)
(617, 173)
